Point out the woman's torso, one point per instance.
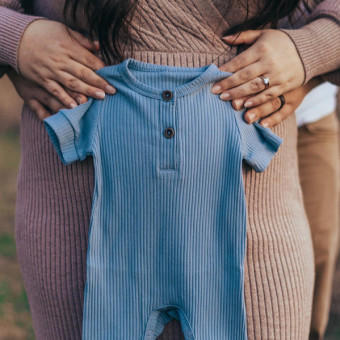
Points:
(173, 32)
(279, 264)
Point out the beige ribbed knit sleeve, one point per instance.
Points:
(13, 22)
(318, 43)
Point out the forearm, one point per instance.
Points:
(13, 22)
(318, 42)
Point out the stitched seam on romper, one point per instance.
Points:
(165, 307)
(74, 135)
(238, 129)
(174, 69)
(139, 90)
(96, 132)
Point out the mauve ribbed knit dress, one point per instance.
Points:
(54, 201)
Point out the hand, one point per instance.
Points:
(269, 112)
(272, 55)
(57, 58)
(38, 99)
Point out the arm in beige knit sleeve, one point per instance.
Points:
(289, 58)
(318, 42)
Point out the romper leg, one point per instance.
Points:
(161, 316)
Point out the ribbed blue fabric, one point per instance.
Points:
(168, 224)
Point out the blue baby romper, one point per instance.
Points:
(168, 224)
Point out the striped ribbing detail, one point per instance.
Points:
(314, 59)
(52, 219)
(13, 25)
(279, 267)
(183, 59)
(165, 241)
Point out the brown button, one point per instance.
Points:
(167, 95)
(169, 132)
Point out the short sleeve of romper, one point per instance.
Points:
(259, 144)
(72, 131)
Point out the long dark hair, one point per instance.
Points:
(109, 19)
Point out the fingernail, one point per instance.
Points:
(265, 124)
(248, 104)
(251, 117)
(100, 95)
(78, 99)
(216, 89)
(73, 105)
(224, 95)
(228, 37)
(110, 89)
(238, 103)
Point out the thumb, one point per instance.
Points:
(85, 42)
(246, 37)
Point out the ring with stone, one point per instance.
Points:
(265, 81)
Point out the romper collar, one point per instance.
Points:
(207, 74)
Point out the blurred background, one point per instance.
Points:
(15, 319)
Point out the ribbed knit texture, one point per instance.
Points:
(315, 60)
(168, 225)
(13, 25)
(329, 8)
(54, 204)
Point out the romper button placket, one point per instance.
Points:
(167, 95)
(169, 132)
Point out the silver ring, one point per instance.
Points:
(265, 82)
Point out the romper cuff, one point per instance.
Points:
(62, 136)
(265, 150)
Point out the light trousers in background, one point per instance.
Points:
(318, 150)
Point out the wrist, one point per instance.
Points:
(20, 53)
(316, 46)
(13, 25)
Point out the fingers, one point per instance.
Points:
(277, 117)
(89, 77)
(254, 86)
(83, 41)
(56, 90)
(262, 111)
(264, 96)
(247, 37)
(269, 113)
(241, 61)
(86, 58)
(38, 109)
(77, 85)
(78, 97)
(238, 104)
(248, 74)
(49, 101)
